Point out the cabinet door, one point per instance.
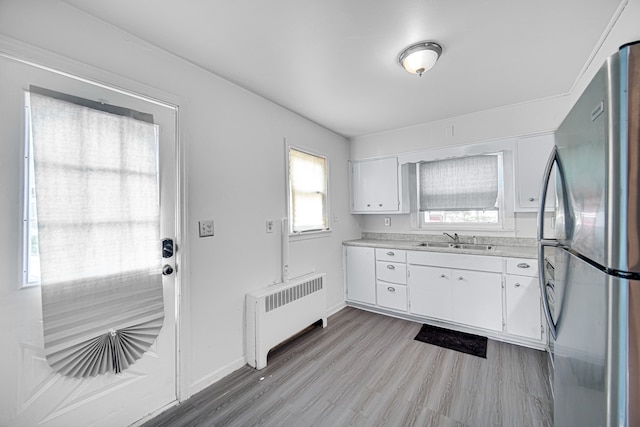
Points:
(375, 185)
(361, 274)
(523, 307)
(532, 154)
(477, 298)
(430, 291)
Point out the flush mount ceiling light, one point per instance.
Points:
(420, 57)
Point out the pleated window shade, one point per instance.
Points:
(464, 183)
(308, 191)
(98, 214)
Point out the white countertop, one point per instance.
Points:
(528, 251)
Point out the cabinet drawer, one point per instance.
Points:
(391, 272)
(522, 267)
(392, 255)
(393, 296)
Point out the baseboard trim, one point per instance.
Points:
(336, 308)
(216, 376)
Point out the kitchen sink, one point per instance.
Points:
(437, 244)
(475, 247)
(468, 246)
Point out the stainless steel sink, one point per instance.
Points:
(437, 244)
(475, 247)
(468, 246)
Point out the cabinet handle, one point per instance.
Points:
(460, 278)
(380, 205)
(517, 285)
(523, 265)
(391, 267)
(391, 289)
(443, 276)
(368, 205)
(531, 199)
(390, 253)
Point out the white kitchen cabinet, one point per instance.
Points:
(522, 307)
(469, 297)
(360, 274)
(431, 292)
(391, 279)
(531, 158)
(477, 298)
(376, 186)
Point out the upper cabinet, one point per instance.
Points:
(376, 186)
(530, 161)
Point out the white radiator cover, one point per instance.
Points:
(278, 312)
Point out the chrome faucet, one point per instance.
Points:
(456, 239)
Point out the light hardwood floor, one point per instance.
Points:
(365, 369)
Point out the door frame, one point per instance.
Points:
(58, 64)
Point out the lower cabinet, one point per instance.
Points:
(473, 298)
(360, 274)
(493, 294)
(431, 292)
(522, 308)
(478, 299)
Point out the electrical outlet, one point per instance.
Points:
(206, 228)
(387, 221)
(269, 226)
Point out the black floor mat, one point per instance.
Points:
(454, 340)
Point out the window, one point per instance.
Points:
(308, 198)
(97, 231)
(465, 190)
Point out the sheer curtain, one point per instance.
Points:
(308, 182)
(464, 183)
(97, 193)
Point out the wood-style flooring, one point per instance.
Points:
(365, 369)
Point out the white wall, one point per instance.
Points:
(533, 117)
(234, 169)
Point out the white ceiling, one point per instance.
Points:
(335, 61)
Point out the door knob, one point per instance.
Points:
(167, 270)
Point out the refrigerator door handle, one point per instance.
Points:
(542, 242)
(543, 285)
(546, 177)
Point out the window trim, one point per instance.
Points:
(420, 225)
(27, 151)
(309, 234)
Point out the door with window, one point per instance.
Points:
(125, 379)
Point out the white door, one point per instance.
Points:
(31, 392)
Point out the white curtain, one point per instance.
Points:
(308, 181)
(99, 235)
(464, 183)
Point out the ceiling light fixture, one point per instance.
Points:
(420, 57)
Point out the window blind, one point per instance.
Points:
(465, 183)
(98, 214)
(308, 191)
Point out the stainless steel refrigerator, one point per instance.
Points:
(593, 309)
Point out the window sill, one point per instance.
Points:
(309, 235)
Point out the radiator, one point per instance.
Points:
(278, 312)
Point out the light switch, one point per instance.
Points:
(206, 228)
(269, 226)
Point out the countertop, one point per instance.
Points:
(502, 247)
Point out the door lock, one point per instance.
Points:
(167, 248)
(167, 270)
